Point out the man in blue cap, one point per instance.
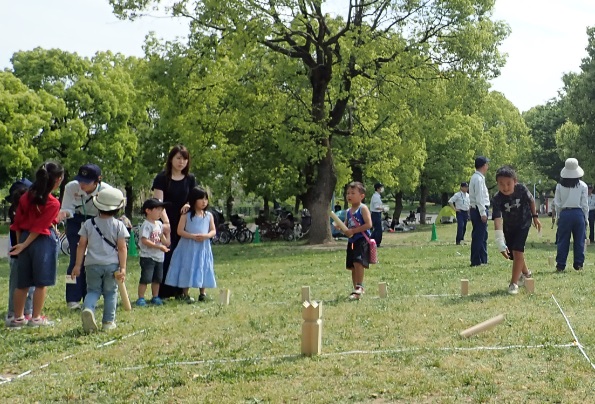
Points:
(77, 207)
(479, 200)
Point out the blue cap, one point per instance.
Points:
(88, 173)
(22, 183)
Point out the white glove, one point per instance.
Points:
(500, 241)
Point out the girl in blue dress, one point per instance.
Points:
(192, 261)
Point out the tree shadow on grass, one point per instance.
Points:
(476, 297)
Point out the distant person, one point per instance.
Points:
(153, 244)
(192, 262)
(17, 189)
(460, 203)
(514, 212)
(173, 185)
(591, 213)
(572, 207)
(102, 246)
(359, 222)
(479, 200)
(77, 207)
(37, 247)
(376, 209)
(335, 232)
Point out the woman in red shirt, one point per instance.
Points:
(37, 254)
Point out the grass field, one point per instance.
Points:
(405, 348)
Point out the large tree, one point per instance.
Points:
(332, 52)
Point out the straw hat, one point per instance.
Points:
(109, 199)
(571, 169)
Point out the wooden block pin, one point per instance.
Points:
(312, 328)
(530, 285)
(305, 294)
(481, 327)
(464, 287)
(382, 290)
(224, 295)
(550, 261)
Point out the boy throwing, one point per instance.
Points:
(514, 212)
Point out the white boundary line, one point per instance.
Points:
(45, 365)
(576, 341)
(357, 352)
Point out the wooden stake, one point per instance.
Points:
(305, 294)
(550, 261)
(382, 290)
(464, 287)
(530, 285)
(224, 295)
(481, 327)
(312, 328)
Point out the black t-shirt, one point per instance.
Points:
(514, 209)
(174, 192)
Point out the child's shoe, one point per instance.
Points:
(513, 289)
(111, 325)
(187, 299)
(89, 323)
(41, 321)
(202, 297)
(17, 322)
(73, 305)
(523, 277)
(357, 293)
(141, 302)
(8, 319)
(156, 300)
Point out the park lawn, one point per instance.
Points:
(405, 348)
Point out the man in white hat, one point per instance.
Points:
(572, 210)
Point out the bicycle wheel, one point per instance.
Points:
(64, 246)
(243, 236)
(225, 237)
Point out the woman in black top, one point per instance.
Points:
(173, 185)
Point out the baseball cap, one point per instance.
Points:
(88, 173)
(153, 203)
(464, 184)
(22, 183)
(481, 161)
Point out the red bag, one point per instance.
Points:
(373, 250)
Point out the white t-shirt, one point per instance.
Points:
(152, 232)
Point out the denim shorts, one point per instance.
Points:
(151, 271)
(38, 263)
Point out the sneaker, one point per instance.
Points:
(187, 299)
(28, 316)
(141, 302)
(8, 319)
(202, 297)
(523, 277)
(513, 289)
(89, 323)
(577, 267)
(73, 305)
(356, 294)
(111, 325)
(559, 268)
(157, 301)
(41, 321)
(18, 322)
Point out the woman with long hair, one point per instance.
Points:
(173, 185)
(572, 209)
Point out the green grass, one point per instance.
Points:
(249, 351)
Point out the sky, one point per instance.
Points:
(548, 37)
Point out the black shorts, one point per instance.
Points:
(151, 271)
(359, 251)
(516, 239)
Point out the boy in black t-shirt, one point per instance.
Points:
(515, 206)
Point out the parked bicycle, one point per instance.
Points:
(240, 232)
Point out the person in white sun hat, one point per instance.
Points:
(104, 240)
(572, 210)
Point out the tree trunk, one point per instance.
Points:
(296, 207)
(398, 207)
(422, 203)
(318, 199)
(129, 209)
(229, 206)
(265, 206)
(444, 199)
